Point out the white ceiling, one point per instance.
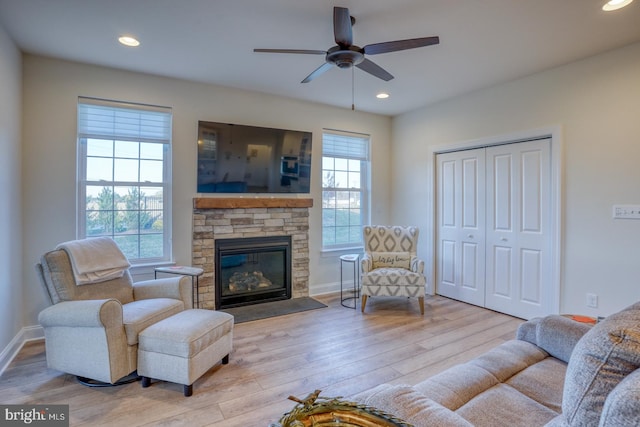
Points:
(482, 42)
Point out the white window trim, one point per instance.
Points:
(365, 180)
(166, 185)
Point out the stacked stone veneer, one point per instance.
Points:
(229, 223)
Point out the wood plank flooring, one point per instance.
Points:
(337, 350)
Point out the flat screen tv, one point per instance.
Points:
(249, 159)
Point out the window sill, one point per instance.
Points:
(327, 253)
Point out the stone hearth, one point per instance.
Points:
(226, 218)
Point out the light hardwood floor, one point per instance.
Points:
(337, 350)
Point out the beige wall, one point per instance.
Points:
(595, 103)
(51, 89)
(11, 295)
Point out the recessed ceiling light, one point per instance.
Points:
(615, 4)
(382, 95)
(129, 41)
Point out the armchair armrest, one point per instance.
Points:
(178, 287)
(104, 313)
(557, 335)
(366, 263)
(416, 265)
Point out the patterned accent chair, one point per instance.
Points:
(390, 266)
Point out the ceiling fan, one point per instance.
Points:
(346, 55)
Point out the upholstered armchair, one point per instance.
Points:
(91, 329)
(390, 266)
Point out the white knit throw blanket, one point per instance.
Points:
(95, 260)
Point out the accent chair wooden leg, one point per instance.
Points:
(363, 303)
(146, 382)
(421, 301)
(225, 360)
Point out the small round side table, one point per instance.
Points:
(350, 259)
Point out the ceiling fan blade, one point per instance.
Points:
(303, 51)
(375, 70)
(342, 27)
(321, 69)
(394, 46)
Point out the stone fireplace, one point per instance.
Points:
(257, 221)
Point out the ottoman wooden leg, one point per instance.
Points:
(146, 382)
(188, 390)
(225, 360)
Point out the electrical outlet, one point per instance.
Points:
(592, 300)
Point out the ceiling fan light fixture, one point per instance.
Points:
(382, 95)
(615, 5)
(129, 41)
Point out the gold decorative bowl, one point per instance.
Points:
(320, 411)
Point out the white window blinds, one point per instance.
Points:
(345, 145)
(110, 120)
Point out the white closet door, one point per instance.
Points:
(518, 265)
(460, 268)
(493, 227)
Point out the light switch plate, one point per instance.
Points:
(626, 211)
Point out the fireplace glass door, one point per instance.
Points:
(252, 270)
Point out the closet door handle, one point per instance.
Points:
(504, 239)
(470, 236)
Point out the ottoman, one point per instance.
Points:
(184, 346)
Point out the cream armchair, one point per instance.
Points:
(390, 266)
(91, 330)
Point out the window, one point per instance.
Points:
(345, 192)
(124, 177)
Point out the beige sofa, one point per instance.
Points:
(557, 372)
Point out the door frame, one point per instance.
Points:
(555, 134)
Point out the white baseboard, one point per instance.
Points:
(26, 334)
(324, 288)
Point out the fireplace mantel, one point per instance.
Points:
(249, 203)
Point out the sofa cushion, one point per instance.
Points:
(459, 384)
(411, 406)
(138, 315)
(502, 405)
(622, 407)
(602, 358)
(542, 382)
(509, 358)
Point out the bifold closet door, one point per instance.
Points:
(460, 267)
(518, 267)
(493, 227)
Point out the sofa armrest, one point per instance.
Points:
(557, 335)
(178, 287)
(104, 313)
(622, 407)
